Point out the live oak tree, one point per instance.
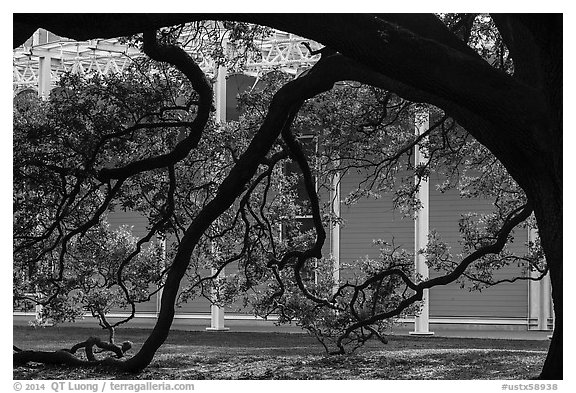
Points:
(513, 109)
(366, 135)
(64, 252)
(66, 257)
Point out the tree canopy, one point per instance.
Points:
(507, 96)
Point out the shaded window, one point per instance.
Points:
(235, 85)
(300, 232)
(308, 144)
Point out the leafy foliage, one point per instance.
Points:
(267, 237)
(96, 280)
(64, 250)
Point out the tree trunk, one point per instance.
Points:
(533, 159)
(547, 200)
(281, 113)
(553, 368)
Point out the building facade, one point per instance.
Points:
(520, 305)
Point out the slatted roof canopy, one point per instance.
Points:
(279, 50)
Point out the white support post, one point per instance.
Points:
(534, 303)
(38, 313)
(217, 312)
(545, 309)
(539, 296)
(335, 235)
(38, 308)
(553, 319)
(220, 94)
(44, 77)
(421, 322)
(162, 265)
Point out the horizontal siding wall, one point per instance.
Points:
(366, 220)
(503, 300)
(375, 219)
(138, 224)
(236, 307)
(371, 219)
(149, 307)
(198, 305)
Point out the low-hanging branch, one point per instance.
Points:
(282, 112)
(67, 356)
(516, 217)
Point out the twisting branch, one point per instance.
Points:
(89, 344)
(184, 63)
(67, 356)
(462, 28)
(244, 201)
(117, 177)
(82, 229)
(166, 213)
(282, 111)
(516, 217)
(540, 276)
(316, 250)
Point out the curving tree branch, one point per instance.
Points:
(177, 57)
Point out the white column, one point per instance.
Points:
(553, 318)
(38, 312)
(421, 322)
(534, 303)
(162, 265)
(335, 236)
(540, 295)
(44, 77)
(545, 304)
(216, 312)
(38, 308)
(220, 94)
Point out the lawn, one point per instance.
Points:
(241, 355)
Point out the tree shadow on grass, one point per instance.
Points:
(412, 364)
(244, 355)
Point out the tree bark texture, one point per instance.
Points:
(284, 106)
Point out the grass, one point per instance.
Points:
(242, 355)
